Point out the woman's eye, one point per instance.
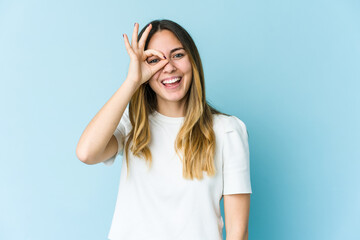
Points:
(178, 55)
(153, 61)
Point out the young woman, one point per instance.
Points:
(181, 155)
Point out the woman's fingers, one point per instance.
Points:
(134, 42)
(127, 45)
(153, 52)
(144, 37)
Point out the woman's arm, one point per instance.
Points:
(94, 145)
(237, 209)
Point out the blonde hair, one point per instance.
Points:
(195, 142)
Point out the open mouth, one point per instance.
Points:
(172, 83)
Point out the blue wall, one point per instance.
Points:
(289, 69)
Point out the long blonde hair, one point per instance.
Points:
(195, 142)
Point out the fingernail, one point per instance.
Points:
(134, 24)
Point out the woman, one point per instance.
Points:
(182, 155)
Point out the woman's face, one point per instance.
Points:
(179, 66)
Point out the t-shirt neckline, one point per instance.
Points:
(167, 119)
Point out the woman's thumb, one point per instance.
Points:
(159, 65)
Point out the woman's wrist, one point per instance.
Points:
(134, 84)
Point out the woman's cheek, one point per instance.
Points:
(155, 76)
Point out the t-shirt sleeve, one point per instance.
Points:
(120, 134)
(236, 158)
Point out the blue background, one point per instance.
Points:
(289, 69)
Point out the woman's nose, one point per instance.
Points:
(169, 67)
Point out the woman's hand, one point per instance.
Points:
(139, 70)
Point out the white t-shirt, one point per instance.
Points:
(159, 204)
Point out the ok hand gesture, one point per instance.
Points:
(139, 70)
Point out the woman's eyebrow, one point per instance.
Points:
(175, 49)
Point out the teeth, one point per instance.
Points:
(171, 80)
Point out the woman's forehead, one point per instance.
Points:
(164, 41)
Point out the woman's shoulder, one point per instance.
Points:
(228, 123)
(125, 119)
